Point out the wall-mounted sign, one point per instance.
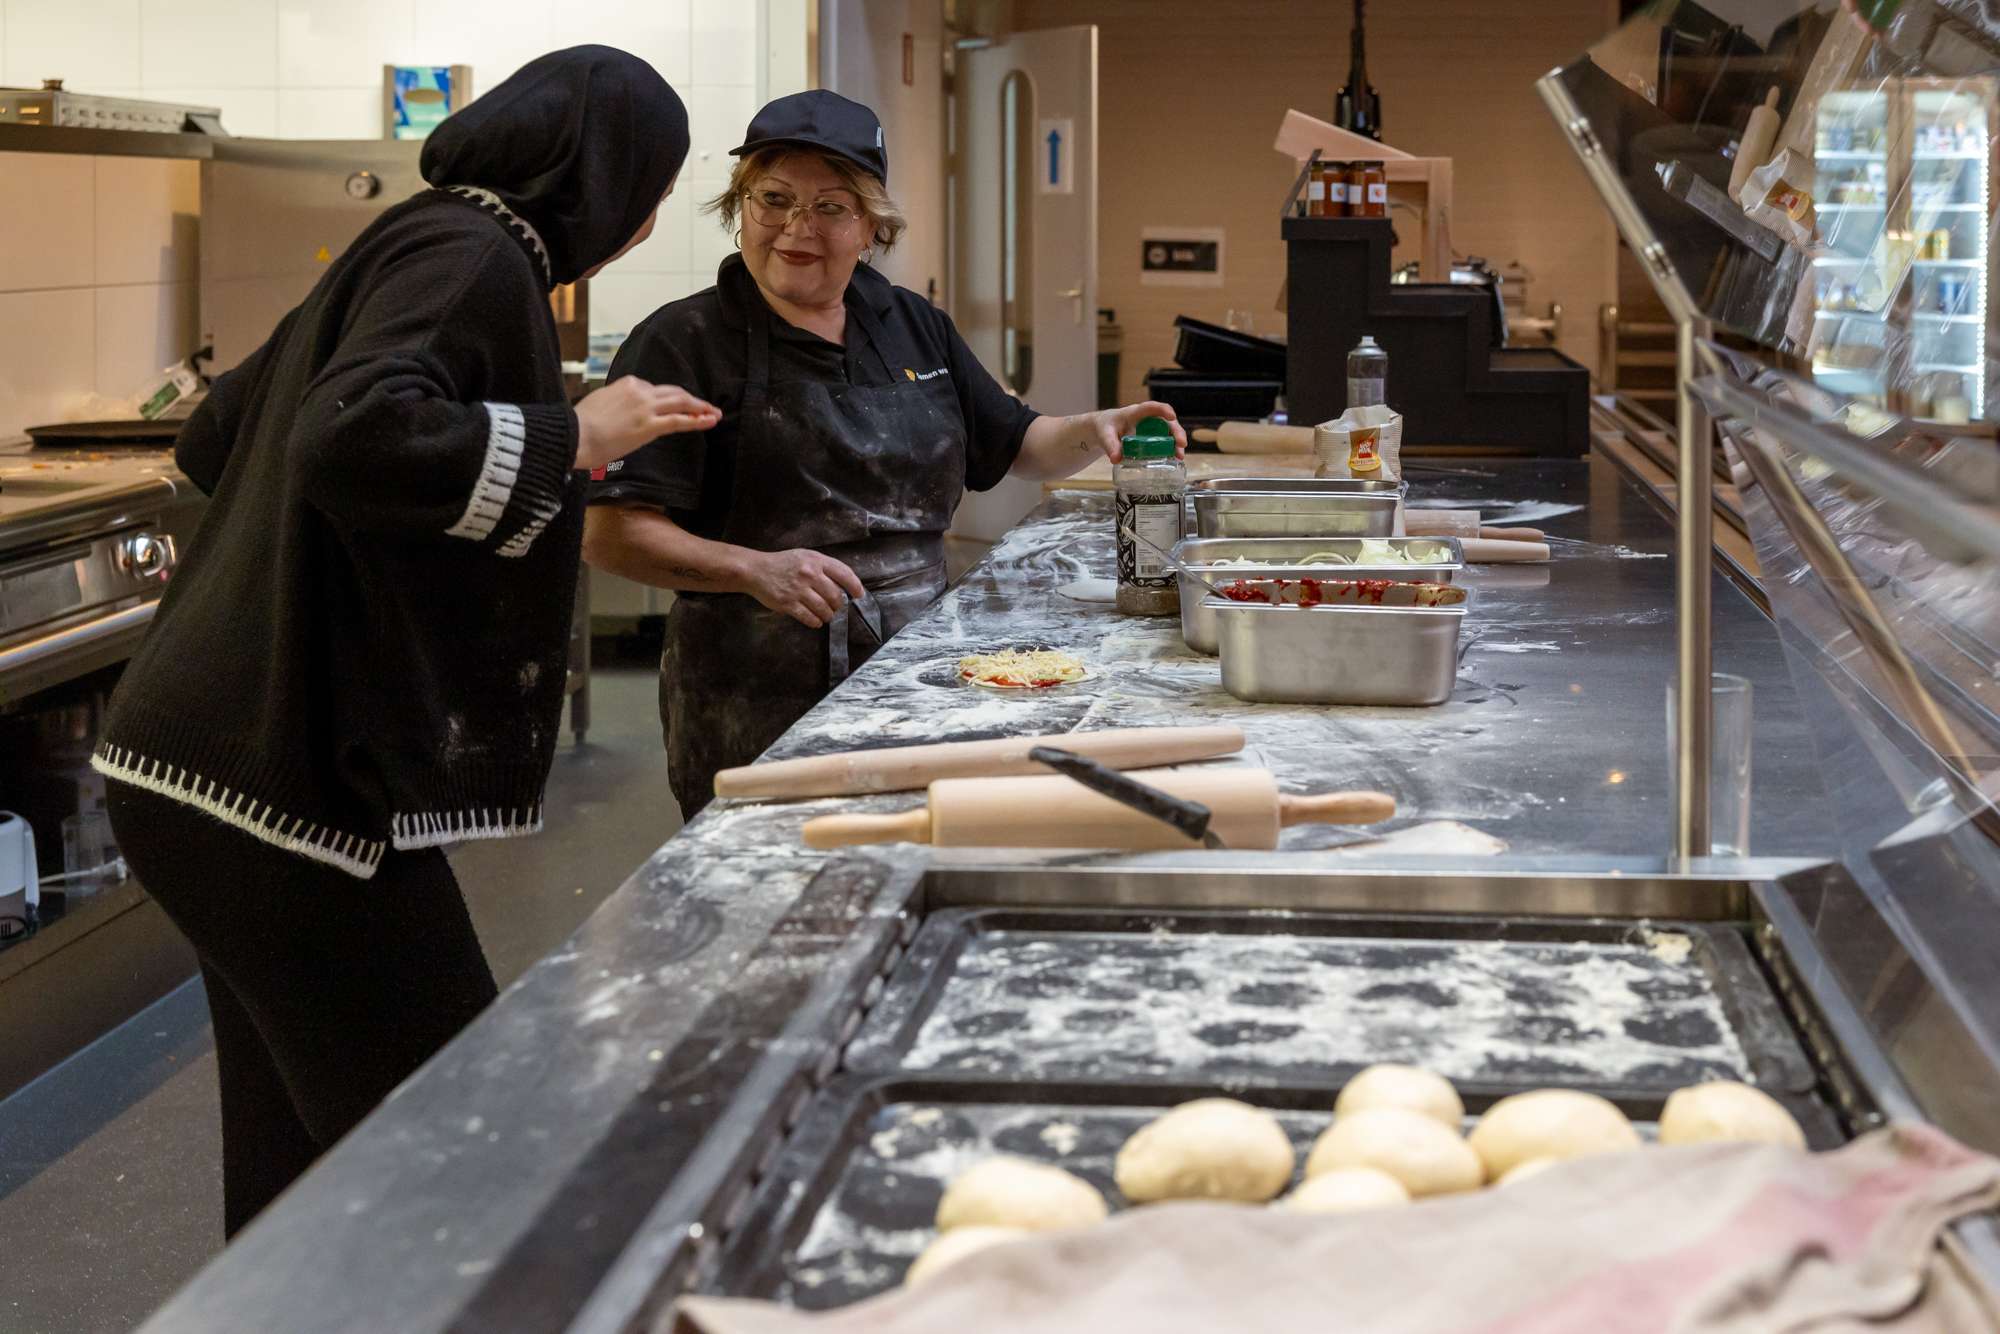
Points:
(416, 98)
(1180, 256)
(1055, 148)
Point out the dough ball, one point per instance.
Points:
(951, 1247)
(1726, 1110)
(1017, 1192)
(1209, 1149)
(1522, 1171)
(1404, 1086)
(1347, 1190)
(1549, 1123)
(1411, 1147)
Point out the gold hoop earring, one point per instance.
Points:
(739, 238)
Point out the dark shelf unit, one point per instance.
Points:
(1448, 376)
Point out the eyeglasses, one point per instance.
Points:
(775, 208)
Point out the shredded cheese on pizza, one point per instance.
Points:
(1021, 669)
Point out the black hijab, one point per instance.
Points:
(582, 143)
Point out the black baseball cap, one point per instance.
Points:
(823, 120)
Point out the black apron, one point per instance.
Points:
(867, 474)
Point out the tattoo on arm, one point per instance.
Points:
(690, 573)
(1087, 437)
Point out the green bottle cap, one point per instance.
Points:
(1153, 438)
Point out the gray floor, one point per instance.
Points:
(110, 1175)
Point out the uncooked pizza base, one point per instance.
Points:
(1022, 669)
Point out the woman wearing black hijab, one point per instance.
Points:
(362, 657)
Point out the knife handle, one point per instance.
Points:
(1188, 817)
(843, 831)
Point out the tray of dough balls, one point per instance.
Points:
(1304, 1000)
(889, 1180)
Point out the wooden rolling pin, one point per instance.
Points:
(1484, 551)
(905, 768)
(1054, 812)
(1257, 438)
(1462, 524)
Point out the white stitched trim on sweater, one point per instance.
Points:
(506, 438)
(349, 852)
(518, 544)
(493, 204)
(431, 829)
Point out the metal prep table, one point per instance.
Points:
(690, 1089)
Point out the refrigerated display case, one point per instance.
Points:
(1903, 184)
(1877, 534)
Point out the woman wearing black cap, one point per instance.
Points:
(809, 525)
(362, 657)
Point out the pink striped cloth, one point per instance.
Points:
(1707, 1239)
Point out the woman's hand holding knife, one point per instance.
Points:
(806, 585)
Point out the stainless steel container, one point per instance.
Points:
(1295, 507)
(1337, 654)
(1284, 558)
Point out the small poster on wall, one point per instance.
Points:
(1180, 256)
(417, 98)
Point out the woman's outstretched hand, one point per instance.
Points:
(628, 413)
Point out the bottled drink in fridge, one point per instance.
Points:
(1367, 374)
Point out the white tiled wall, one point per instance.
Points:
(734, 56)
(99, 294)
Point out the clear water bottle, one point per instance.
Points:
(1367, 374)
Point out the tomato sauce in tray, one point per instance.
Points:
(1342, 593)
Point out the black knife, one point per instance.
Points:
(1189, 817)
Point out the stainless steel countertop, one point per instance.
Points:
(43, 491)
(1554, 742)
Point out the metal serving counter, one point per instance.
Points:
(591, 1143)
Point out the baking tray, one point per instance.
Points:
(1202, 398)
(1336, 654)
(1295, 507)
(1307, 999)
(1202, 346)
(851, 1199)
(85, 435)
(1284, 561)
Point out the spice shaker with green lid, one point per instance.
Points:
(1149, 485)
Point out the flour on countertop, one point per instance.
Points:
(1514, 646)
(1669, 947)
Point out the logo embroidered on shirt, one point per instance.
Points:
(926, 375)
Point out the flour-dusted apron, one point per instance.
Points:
(867, 474)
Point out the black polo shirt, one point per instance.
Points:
(699, 344)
